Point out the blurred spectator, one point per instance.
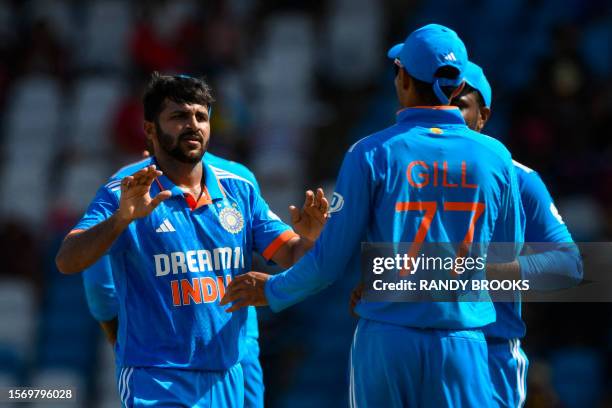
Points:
(19, 249)
(217, 42)
(41, 51)
(127, 128)
(159, 40)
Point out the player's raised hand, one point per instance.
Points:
(246, 290)
(136, 201)
(309, 221)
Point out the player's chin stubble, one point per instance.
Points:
(174, 149)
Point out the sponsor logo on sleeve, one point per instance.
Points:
(337, 202)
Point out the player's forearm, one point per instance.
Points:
(294, 285)
(291, 252)
(552, 269)
(110, 328)
(313, 273)
(299, 248)
(82, 249)
(504, 271)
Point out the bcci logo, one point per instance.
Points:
(231, 220)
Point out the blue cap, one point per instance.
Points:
(476, 78)
(428, 49)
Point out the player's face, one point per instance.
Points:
(468, 105)
(474, 115)
(183, 131)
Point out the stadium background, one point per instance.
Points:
(296, 83)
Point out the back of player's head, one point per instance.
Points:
(177, 88)
(477, 81)
(435, 57)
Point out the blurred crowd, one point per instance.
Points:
(296, 82)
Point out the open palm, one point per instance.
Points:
(136, 201)
(309, 221)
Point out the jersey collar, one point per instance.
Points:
(212, 184)
(438, 115)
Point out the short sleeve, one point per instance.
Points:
(543, 218)
(103, 206)
(269, 232)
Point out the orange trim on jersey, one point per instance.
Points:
(203, 200)
(278, 242)
(435, 107)
(75, 231)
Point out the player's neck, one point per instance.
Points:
(184, 175)
(410, 100)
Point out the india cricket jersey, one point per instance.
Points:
(428, 178)
(171, 269)
(98, 280)
(543, 224)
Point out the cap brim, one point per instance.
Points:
(394, 51)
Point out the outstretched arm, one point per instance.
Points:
(81, 248)
(331, 253)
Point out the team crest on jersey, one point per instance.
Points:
(231, 220)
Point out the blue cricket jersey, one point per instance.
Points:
(100, 290)
(171, 269)
(98, 279)
(454, 178)
(543, 224)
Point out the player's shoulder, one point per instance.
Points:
(530, 181)
(522, 170)
(528, 176)
(373, 141)
(496, 153)
(113, 183)
(130, 169)
(231, 180)
(491, 143)
(231, 167)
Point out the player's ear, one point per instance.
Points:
(149, 129)
(405, 80)
(485, 114)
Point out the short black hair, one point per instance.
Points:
(177, 88)
(468, 89)
(425, 90)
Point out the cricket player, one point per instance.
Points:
(507, 360)
(103, 304)
(178, 230)
(428, 178)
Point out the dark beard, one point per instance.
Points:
(166, 142)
